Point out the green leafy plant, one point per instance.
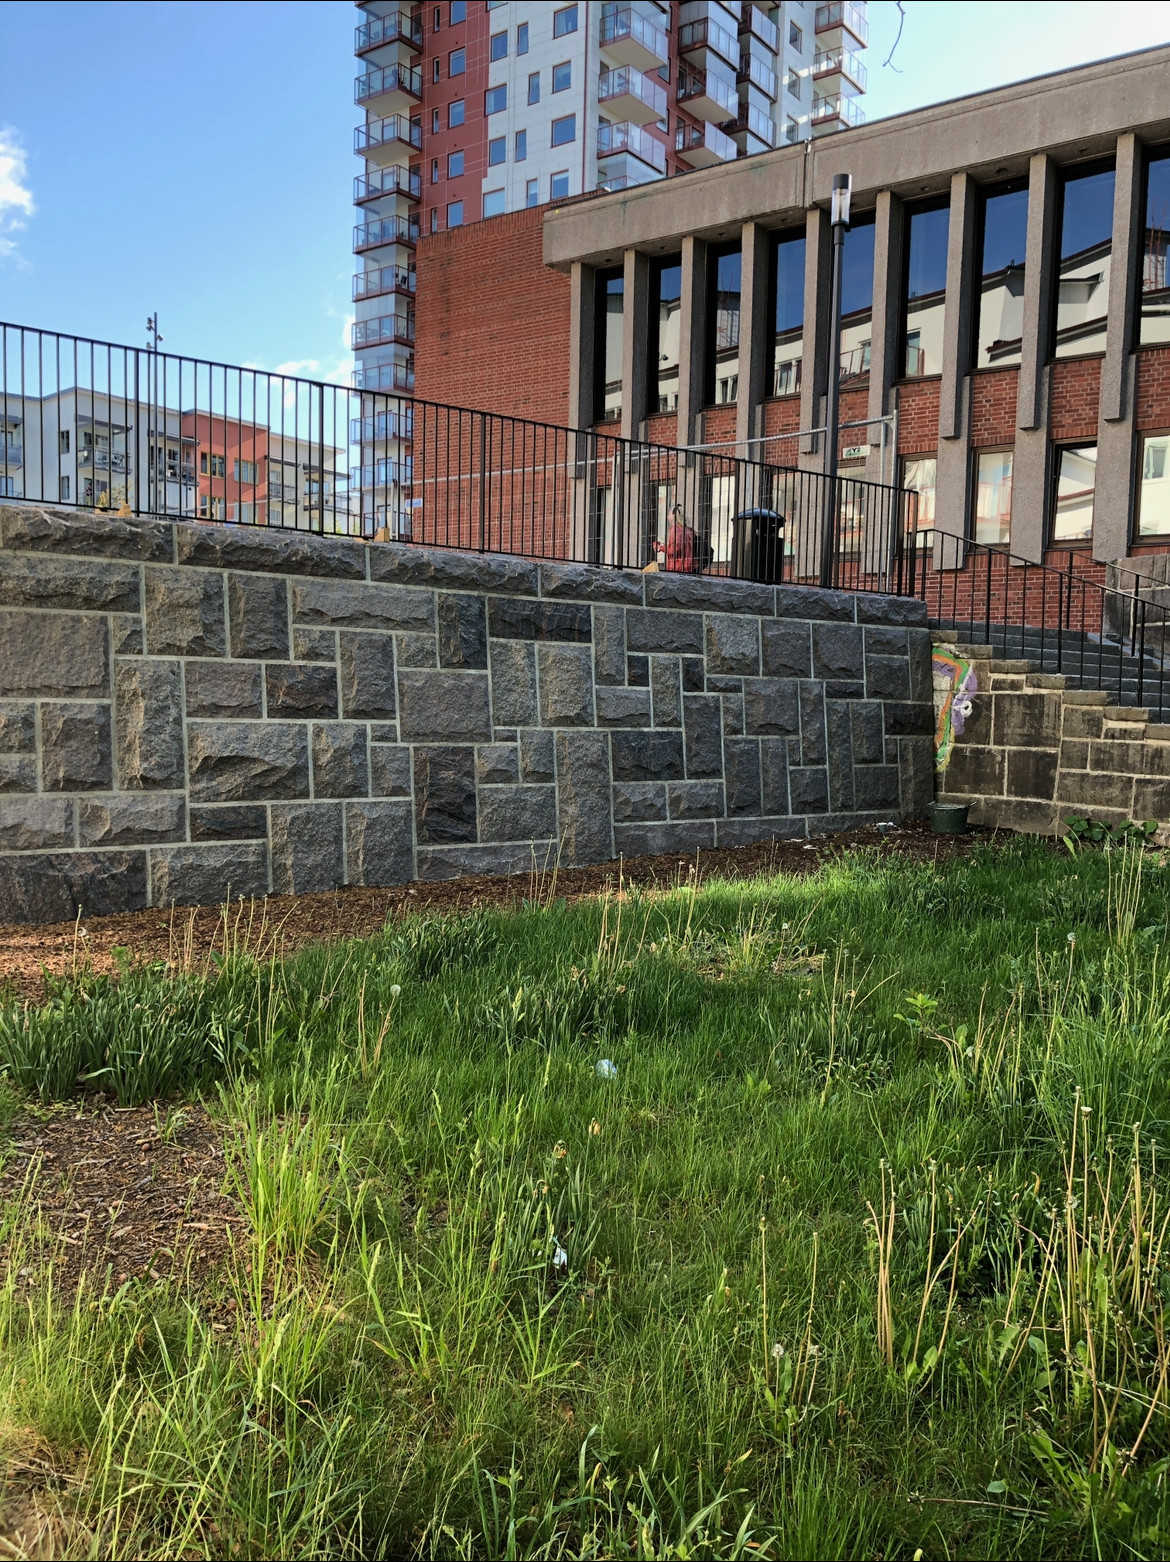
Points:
(1095, 832)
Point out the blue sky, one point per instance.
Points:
(195, 157)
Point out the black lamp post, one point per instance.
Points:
(839, 218)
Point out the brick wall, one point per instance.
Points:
(190, 709)
(492, 324)
(993, 406)
(1153, 388)
(1074, 397)
(918, 418)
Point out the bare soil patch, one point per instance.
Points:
(185, 936)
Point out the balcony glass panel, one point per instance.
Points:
(706, 91)
(399, 26)
(395, 180)
(840, 62)
(621, 24)
(760, 75)
(385, 230)
(387, 80)
(1086, 245)
(1000, 304)
(382, 132)
(387, 328)
(383, 279)
(923, 306)
(625, 137)
(842, 14)
(1155, 319)
(707, 34)
(626, 82)
(837, 107)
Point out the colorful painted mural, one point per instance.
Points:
(955, 688)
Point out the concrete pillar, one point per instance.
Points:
(755, 337)
(581, 346)
(1116, 446)
(1031, 460)
(885, 366)
(692, 321)
(635, 341)
(814, 372)
(953, 457)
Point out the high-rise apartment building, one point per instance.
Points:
(478, 107)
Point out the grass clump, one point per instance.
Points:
(863, 1250)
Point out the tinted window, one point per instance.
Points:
(1000, 300)
(925, 293)
(499, 46)
(1082, 283)
(857, 299)
(565, 21)
(788, 315)
(564, 130)
(1155, 322)
(721, 345)
(455, 113)
(608, 342)
(562, 76)
(665, 303)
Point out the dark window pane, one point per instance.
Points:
(1000, 301)
(926, 286)
(1155, 326)
(721, 354)
(665, 305)
(1086, 239)
(788, 316)
(607, 384)
(857, 299)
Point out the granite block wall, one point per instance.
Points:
(189, 711)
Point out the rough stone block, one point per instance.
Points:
(702, 723)
(1151, 800)
(655, 840)
(640, 800)
(907, 720)
(587, 583)
(300, 689)
(184, 612)
(148, 710)
(811, 603)
(126, 635)
(694, 800)
(76, 753)
(132, 821)
(876, 786)
(244, 822)
(34, 823)
(707, 593)
(270, 550)
(54, 888)
(812, 724)
(367, 677)
(314, 645)
(306, 848)
(506, 859)
(1084, 792)
(843, 689)
(664, 685)
(651, 755)
(389, 770)
(979, 770)
(774, 776)
(93, 585)
(447, 569)
(258, 615)
(537, 756)
(638, 672)
(1031, 772)
(809, 789)
(344, 606)
(206, 875)
(694, 678)
(379, 845)
(915, 776)
(887, 677)
(741, 761)
(839, 750)
(787, 649)
(513, 683)
(887, 640)
(18, 727)
(55, 655)
(1074, 754)
(748, 832)
(340, 764)
(920, 665)
(837, 651)
(623, 707)
(383, 732)
(223, 690)
(18, 773)
(443, 707)
(733, 717)
(566, 685)
(732, 645)
(462, 625)
(247, 761)
(497, 764)
(417, 650)
(1026, 720)
(517, 813)
(444, 794)
(512, 618)
(874, 608)
(772, 706)
(664, 632)
(609, 644)
(1082, 721)
(89, 532)
(723, 683)
(1013, 813)
(584, 822)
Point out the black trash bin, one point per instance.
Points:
(757, 545)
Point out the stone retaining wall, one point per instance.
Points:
(188, 710)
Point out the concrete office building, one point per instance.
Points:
(1006, 335)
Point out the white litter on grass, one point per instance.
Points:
(560, 1259)
(606, 1069)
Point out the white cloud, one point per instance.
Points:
(16, 202)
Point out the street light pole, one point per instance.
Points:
(839, 219)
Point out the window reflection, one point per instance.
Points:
(926, 287)
(787, 315)
(665, 303)
(608, 344)
(993, 496)
(1076, 479)
(857, 300)
(1086, 240)
(1000, 303)
(1155, 322)
(918, 477)
(1154, 494)
(724, 267)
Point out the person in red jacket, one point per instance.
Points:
(682, 550)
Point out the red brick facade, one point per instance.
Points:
(993, 406)
(1074, 397)
(1153, 388)
(918, 418)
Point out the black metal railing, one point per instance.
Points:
(167, 435)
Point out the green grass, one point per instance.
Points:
(862, 1253)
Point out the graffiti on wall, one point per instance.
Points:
(955, 687)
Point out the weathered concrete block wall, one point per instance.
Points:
(1025, 752)
(190, 709)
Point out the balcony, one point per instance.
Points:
(631, 139)
(100, 459)
(628, 38)
(396, 179)
(381, 474)
(383, 280)
(626, 94)
(387, 328)
(836, 112)
(702, 146)
(389, 90)
(381, 427)
(708, 95)
(386, 141)
(760, 26)
(696, 38)
(385, 230)
(753, 70)
(398, 27)
(11, 454)
(752, 121)
(839, 62)
(385, 377)
(842, 14)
